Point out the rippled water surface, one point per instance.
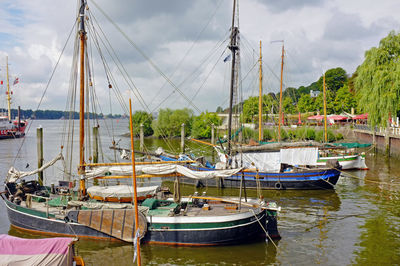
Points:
(357, 223)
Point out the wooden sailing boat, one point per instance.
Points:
(196, 220)
(11, 128)
(270, 170)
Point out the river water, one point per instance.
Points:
(357, 223)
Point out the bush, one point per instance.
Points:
(319, 136)
(267, 134)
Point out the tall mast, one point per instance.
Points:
(8, 92)
(325, 128)
(280, 97)
(82, 36)
(260, 127)
(233, 47)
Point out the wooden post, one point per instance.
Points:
(280, 97)
(134, 183)
(141, 136)
(39, 136)
(212, 133)
(260, 125)
(387, 139)
(183, 138)
(325, 127)
(96, 144)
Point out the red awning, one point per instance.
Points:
(362, 116)
(316, 117)
(337, 117)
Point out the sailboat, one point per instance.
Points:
(194, 220)
(11, 128)
(286, 168)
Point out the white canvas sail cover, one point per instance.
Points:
(160, 169)
(299, 156)
(265, 161)
(271, 161)
(121, 191)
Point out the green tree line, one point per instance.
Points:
(54, 114)
(374, 88)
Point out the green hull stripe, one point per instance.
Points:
(30, 211)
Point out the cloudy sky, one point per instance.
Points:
(185, 41)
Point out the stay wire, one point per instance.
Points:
(146, 57)
(47, 86)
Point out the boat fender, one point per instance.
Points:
(278, 185)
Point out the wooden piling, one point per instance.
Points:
(141, 138)
(183, 138)
(387, 140)
(39, 136)
(212, 133)
(96, 144)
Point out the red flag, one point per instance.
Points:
(16, 81)
(1, 82)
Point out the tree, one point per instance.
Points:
(201, 127)
(219, 109)
(335, 78)
(169, 122)
(288, 106)
(378, 80)
(306, 103)
(330, 104)
(344, 100)
(250, 109)
(141, 117)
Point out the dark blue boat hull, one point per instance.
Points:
(307, 179)
(252, 231)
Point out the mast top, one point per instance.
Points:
(82, 17)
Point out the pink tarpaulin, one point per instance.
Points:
(47, 251)
(362, 116)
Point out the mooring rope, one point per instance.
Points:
(264, 229)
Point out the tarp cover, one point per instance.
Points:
(300, 156)
(48, 251)
(121, 191)
(160, 169)
(265, 161)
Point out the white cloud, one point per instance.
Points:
(318, 35)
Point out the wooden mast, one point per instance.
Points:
(260, 126)
(8, 92)
(280, 97)
(134, 183)
(325, 127)
(82, 36)
(233, 47)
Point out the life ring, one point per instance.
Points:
(278, 185)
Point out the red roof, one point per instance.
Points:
(316, 117)
(337, 117)
(362, 116)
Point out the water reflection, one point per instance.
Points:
(358, 222)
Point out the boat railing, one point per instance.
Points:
(29, 201)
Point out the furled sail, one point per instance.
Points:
(160, 169)
(13, 174)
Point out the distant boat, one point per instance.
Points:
(9, 128)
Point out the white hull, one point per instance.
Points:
(346, 161)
